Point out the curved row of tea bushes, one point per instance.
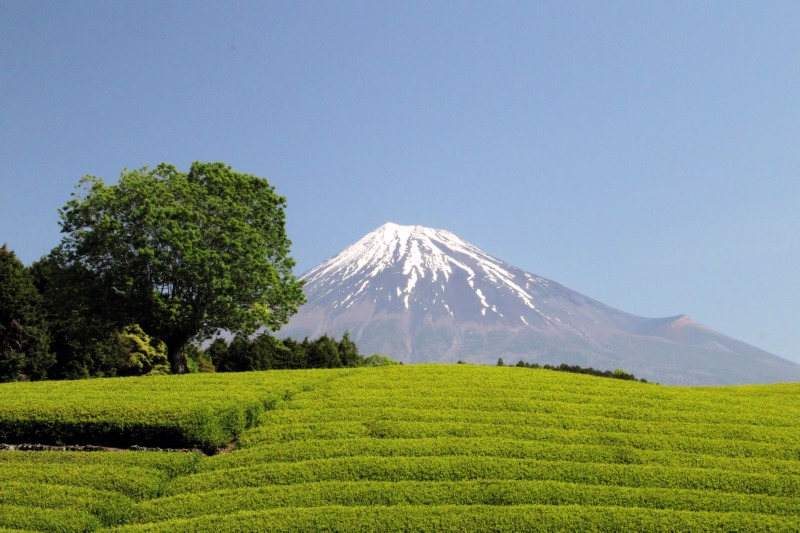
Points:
(781, 442)
(24, 518)
(461, 518)
(444, 448)
(452, 468)
(105, 506)
(300, 450)
(438, 445)
(87, 491)
(92, 489)
(470, 492)
(206, 411)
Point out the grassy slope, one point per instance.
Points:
(438, 448)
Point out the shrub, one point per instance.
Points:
(139, 353)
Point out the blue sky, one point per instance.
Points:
(646, 154)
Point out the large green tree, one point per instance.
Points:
(24, 339)
(182, 254)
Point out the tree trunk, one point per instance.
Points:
(177, 355)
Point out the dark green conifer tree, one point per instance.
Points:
(348, 351)
(24, 338)
(323, 353)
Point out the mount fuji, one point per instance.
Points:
(418, 295)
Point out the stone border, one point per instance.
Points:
(27, 447)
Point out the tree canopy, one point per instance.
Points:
(24, 339)
(181, 254)
(265, 352)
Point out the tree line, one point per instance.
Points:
(577, 369)
(265, 352)
(151, 267)
(39, 339)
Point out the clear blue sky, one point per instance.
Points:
(646, 154)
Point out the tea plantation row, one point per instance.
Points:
(412, 448)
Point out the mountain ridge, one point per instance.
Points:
(419, 294)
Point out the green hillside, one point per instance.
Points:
(408, 448)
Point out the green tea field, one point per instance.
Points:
(404, 448)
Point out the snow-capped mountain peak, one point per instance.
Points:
(419, 254)
(419, 294)
(420, 250)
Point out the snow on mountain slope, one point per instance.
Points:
(423, 295)
(421, 269)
